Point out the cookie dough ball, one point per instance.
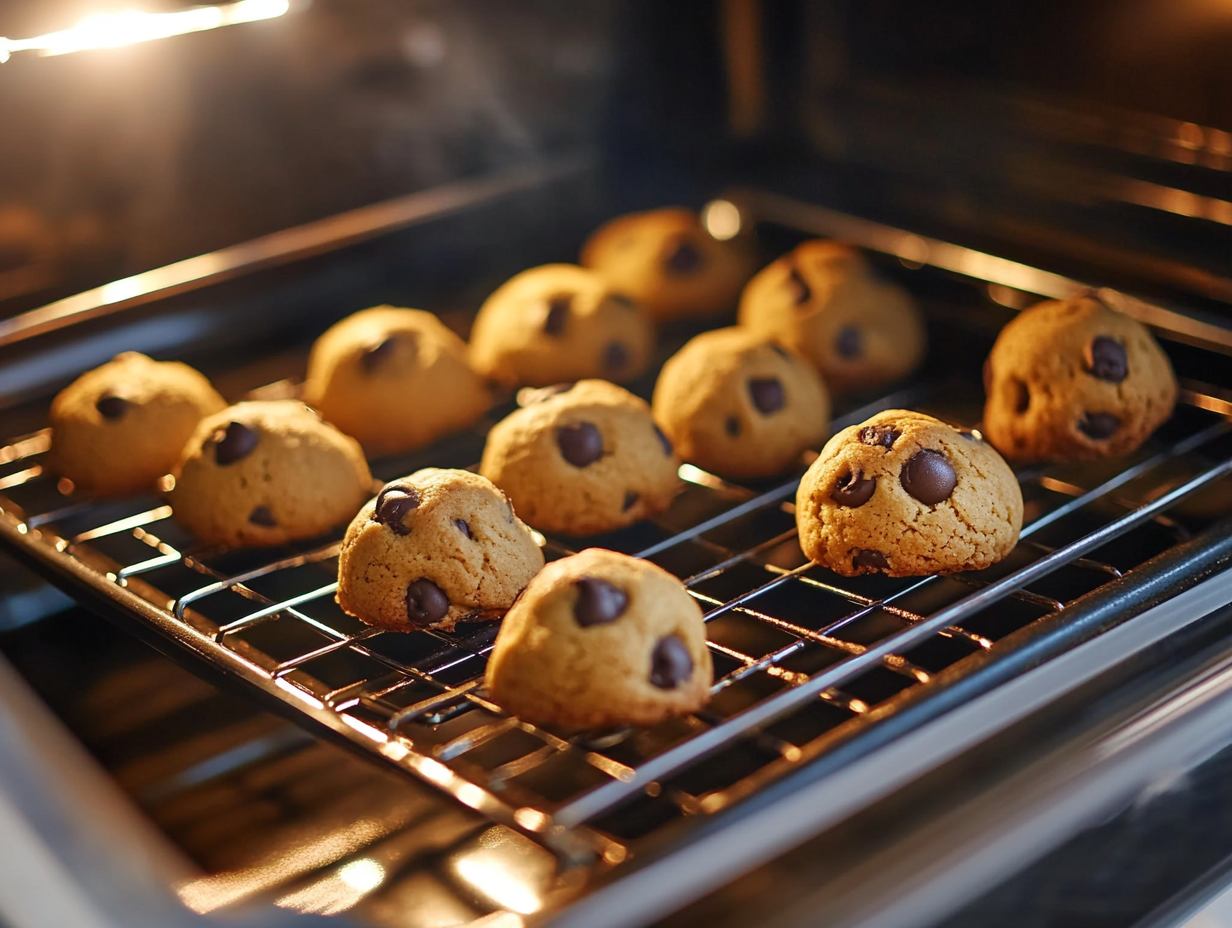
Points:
(267, 473)
(433, 549)
(904, 494)
(1075, 380)
(117, 429)
(667, 261)
(824, 301)
(582, 460)
(739, 405)
(601, 639)
(559, 322)
(394, 379)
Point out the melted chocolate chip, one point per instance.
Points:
(558, 314)
(598, 602)
(425, 602)
(767, 394)
(112, 407)
(262, 516)
(233, 443)
(1108, 360)
(866, 559)
(849, 342)
(853, 490)
(879, 436)
(1098, 425)
(615, 357)
(732, 425)
(670, 665)
(581, 445)
(664, 441)
(631, 499)
(929, 477)
(463, 527)
(376, 355)
(684, 259)
(800, 292)
(392, 505)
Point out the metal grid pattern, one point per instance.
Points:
(804, 658)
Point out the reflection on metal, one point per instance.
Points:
(1175, 201)
(130, 27)
(338, 891)
(507, 869)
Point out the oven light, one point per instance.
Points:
(129, 27)
(722, 219)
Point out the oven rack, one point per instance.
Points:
(805, 660)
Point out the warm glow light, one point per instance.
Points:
(721, 219)
(129, 27)
(492, 877)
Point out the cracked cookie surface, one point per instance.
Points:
(432, 549)
(1075, 380)
(905, 494)
(601, 639)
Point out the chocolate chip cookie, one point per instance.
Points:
(582, 460)
(433, 549)
(265, 473)
(905, 494)
(1075, 380)
(823, 300)
(601, 639)
(394, 379)
(117, 429)
(736, 404)
(557, 323)
(667, 261)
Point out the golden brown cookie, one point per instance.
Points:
(823, 300)
(433, 549)
(556, 323)
(1075, 380)
(905, 494)
(667, 261)
(117, 429)
(736, 404)
(394, 379)
(265, 473)
(601, 639)
(582, 460)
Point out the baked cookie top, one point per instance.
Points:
(601, 639)
(1075, 380)
(905, 494)
(556, 323)
(737, 404)
(394, 379)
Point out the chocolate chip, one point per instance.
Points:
(879, 435)
(1022, 396)
(581, 445)
(767, 394)
(112, 407)
(623, 299)
(425, 602)
(780, 351)
(800, 292)
(866, 559)
(732, 425)
(463, 527)
(1098, 425)
(262, 516)
(233, 443)
(848, 342)
(392, 505)
(558, 314)
(670, 665)
(615, 357)
(853, 490)
(685, 259)
(929, 477)
(598, 602)
(631, 499)
(377, 354)
(1108, 360)
(664, 441)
